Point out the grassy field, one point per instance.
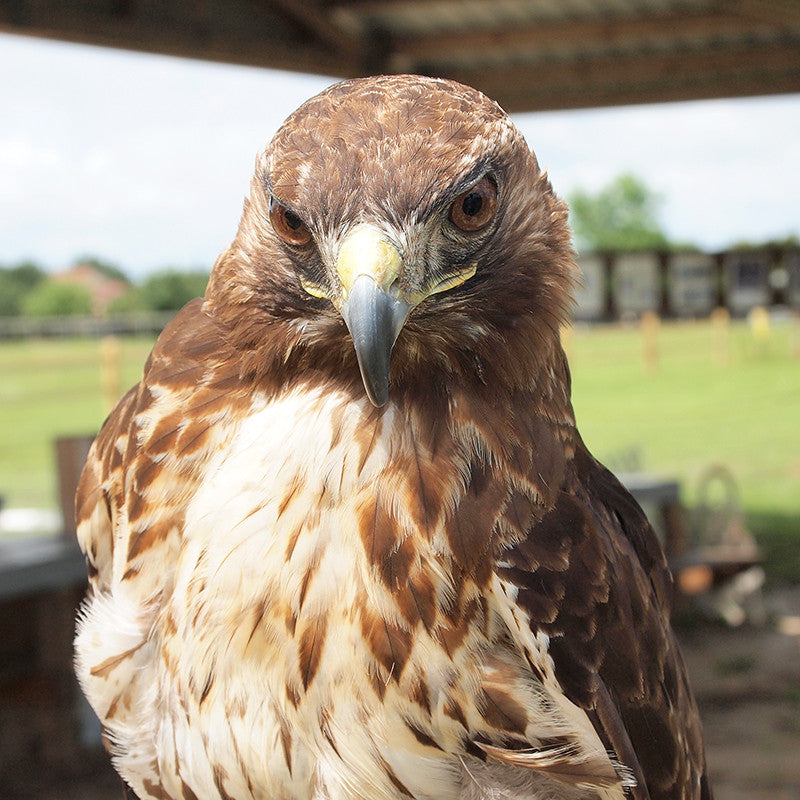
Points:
(713, 395)
(51, 388)
(704, 395)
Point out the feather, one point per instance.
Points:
(565, 764)
(297, 593)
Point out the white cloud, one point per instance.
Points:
(141, 159)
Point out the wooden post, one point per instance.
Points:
(758, 320)
(110, 368)
(71, 452)
(649, 325)
(721, 324)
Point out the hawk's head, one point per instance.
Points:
(398, 216)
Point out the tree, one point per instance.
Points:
(171, 289)
(622, 216)
(132, 300)
(15, 283)
(52, 299)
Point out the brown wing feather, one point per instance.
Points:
(607, 615)
(141, 469)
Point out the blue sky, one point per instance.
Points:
(144, 160)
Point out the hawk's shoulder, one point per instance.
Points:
(143, 463)
(592, 576)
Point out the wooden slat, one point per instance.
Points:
(177, 39)
(736, 48)
(739, 70)
(562, 35)
(776, 12)
(315, 20)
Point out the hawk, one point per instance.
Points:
(344, 539)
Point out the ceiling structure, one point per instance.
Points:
(527, 54)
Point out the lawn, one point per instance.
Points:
(714, 395)
(51, 388)
(711, 395)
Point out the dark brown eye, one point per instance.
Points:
(474, 209)
(288, 225)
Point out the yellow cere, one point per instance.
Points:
(366, 252)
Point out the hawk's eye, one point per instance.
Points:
(474, 209)
(288, 225)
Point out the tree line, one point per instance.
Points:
(28, 290)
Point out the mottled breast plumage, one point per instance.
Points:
(344, 540)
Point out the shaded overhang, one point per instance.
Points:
(527, 54)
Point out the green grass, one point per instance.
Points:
(702, 404)
(48, 389)
(705, 403)
(697, 407)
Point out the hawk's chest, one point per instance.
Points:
(283, 523)
(312, 612)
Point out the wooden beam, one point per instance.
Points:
(564, 35)
(315, 20)
(534, 95)
(774, 12)
(647, 68)
(629, 63)
(139, 34)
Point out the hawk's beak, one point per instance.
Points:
(371, 305)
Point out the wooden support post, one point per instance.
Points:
(110, 367)
(721, 325)
(649, 326)
(71, 452)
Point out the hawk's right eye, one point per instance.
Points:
(288, 225)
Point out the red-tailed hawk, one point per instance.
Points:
(321, 572)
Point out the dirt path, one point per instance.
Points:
(747, 682)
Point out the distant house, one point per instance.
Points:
(102, 288)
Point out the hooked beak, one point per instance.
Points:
(371, 305)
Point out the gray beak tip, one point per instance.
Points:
(374, 320)
(378, 399)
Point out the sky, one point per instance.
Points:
(144, 161)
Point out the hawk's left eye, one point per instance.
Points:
(288, 225)
(474, 209)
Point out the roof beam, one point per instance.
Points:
(566, 34)
(189, 39)
(527, 97)
(315, 21)
(740, 71)
(775, 12)
(655, 65)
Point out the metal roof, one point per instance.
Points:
(527, 54)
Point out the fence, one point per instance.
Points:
(687, 284)
(86, 326)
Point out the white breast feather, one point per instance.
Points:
(233, 558)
